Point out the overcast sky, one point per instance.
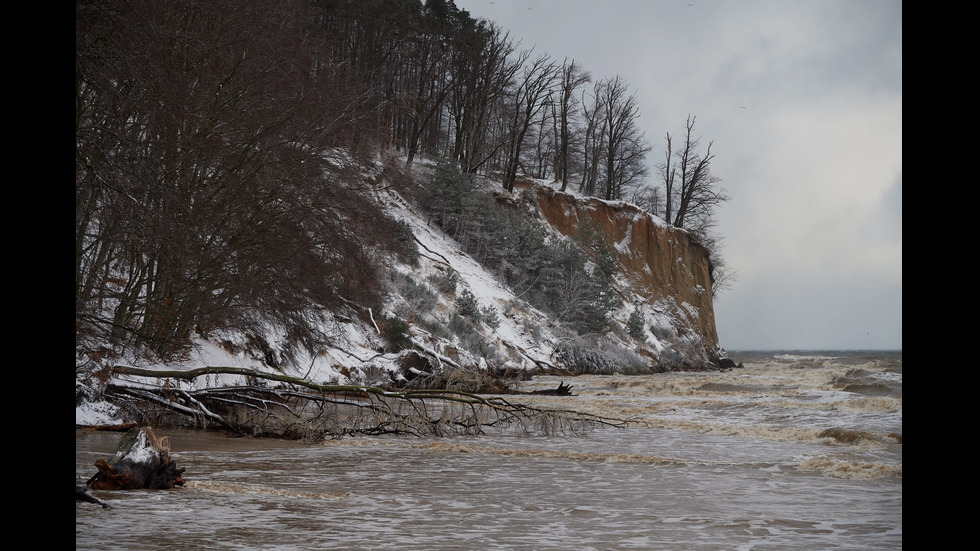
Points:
(803, 101)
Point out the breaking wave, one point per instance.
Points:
(850, 469)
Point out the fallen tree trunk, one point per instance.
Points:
(301, 409)
(142, 462)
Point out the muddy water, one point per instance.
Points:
(719, 462)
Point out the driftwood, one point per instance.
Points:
(725, 364)
(121, 427)
(142, 461)
(81, 494)
(562, 390)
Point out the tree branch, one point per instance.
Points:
(381, 413)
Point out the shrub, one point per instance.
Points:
(437, 327)
(469, 338)
(468, 306)
(600, 356)
(395, 331)
(671, 360)
(446, 281)
(663, 334)
(419, 296)
(634, 326)
(488, 315)
(408, 248)
(580, 294)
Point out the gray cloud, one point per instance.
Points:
(813, 163)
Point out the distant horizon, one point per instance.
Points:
(812, 350)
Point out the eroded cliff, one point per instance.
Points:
(662, 263)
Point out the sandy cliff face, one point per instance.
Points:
(661, 262)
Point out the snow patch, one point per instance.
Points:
(96, 413)
(623, 246)
(141, 452)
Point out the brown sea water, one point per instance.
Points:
(797, 450)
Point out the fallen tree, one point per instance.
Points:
(294, 407)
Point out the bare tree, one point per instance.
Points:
(722, 276)
(427, 83)
(648, 198)
(572, 77)
(593, 139)
(625, 144)
(614, 147)
(206, 197)
(482, 70)
(545, 137)
(528, 98)
(691, 193)
(668, 175)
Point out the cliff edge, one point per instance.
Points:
(660, 261)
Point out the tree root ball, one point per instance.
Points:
(142, 461)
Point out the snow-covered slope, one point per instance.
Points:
(517, 335)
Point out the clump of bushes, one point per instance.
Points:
(419, 297)
(446, 281)
(634, 326)
(600, 356)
